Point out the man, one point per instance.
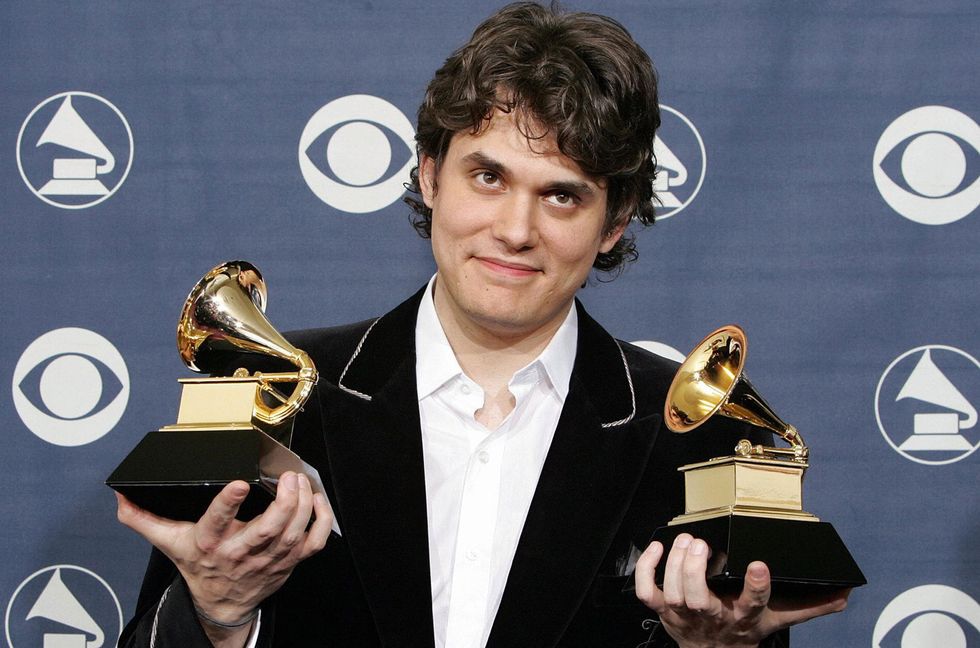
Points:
(495, 461)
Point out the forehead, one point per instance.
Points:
(519, 143)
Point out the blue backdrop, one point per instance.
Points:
(821, 187)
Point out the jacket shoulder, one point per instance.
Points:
(330, 348)
(651, 375)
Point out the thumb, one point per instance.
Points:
(158, 531)
(756, 590)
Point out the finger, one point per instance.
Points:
(755, 592)
(316, 537)
(210, 529)
(267, 528)
(645, 577)
(697, 596)
(158, 531)
(674, 571)
(294, 533)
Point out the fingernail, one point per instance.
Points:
(698, 547)
(290, 481)
(240, 490)
(757, 572)
(304, 481)
(682, 541)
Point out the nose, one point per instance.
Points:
(515, 223)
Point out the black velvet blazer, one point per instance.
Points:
(609, 480)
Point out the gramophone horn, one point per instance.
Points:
(224, 312)
(710, 381)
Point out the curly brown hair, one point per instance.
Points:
(581, 77)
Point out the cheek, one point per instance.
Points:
(576, 250)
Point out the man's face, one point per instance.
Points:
(516, 226)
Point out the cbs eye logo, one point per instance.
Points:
(356, 152)
(660, 349)
(70, 386)
(928, 616)
(927, 165)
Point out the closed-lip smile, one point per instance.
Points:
(507, 267)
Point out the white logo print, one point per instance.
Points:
(74, 150)
(63, 606)
(681, 165)
(346, 153)
(935, 166)
(925, 404)
(70, 386)
(661, 349)
(929, 616)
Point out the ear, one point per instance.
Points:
(609, 240)
(427, 179)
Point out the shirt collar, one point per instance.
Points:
(436, 363)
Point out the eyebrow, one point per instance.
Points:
(559, 186)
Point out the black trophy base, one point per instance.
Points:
(803, 557)
(176, 474)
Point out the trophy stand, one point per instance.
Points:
(228, 428)
(748, 506)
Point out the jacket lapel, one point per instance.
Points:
(594, 465)
(371, 426)
(595, 462)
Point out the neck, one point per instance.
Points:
(488, 353)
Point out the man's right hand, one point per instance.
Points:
(231, 566)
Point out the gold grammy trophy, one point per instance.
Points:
(234, 427)
(748, 506)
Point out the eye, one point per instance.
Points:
(355, 153)
(927, 165)
(70, 386)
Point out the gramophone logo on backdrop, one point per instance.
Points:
(929, 616)
(355, 153)
(681, 162)
(63, 606)
(927, 165)
(70, 386)
(926, 404)
(74, 150)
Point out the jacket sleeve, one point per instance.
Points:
(660, 639)
(165, 615)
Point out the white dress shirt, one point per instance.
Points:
(479, 482)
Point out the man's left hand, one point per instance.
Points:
(696, 617)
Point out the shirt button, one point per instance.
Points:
(464, 389)
(484, 456)
(471, 555)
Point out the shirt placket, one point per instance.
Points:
(472, 559)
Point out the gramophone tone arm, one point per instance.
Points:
(800, 452)
(305, 379)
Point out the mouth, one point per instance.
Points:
(507, 268)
